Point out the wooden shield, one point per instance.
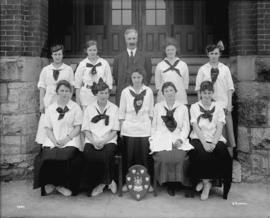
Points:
(137, 181)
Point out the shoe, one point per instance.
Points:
(199, 186)
(124, 188)
(171, 191)
(49, 188)
(113, 187)
(97, 190)
(206, 189)
(64, 191)
(151, 189)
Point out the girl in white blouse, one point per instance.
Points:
(220, 75)
(48, 79)
(168, 141)
(172, 69)
(58, 165)
(100, 125)
(210, 159)
(88, 73)
(135, 115)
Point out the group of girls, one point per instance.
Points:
(79, 140)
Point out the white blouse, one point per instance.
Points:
(99, 130)
(161, 137)
(136, 125)
(84, 79)
(223, 84)
(47, 81)
(180, 81)
(63, 127)
(208, 128)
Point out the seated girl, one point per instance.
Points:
(168, 142)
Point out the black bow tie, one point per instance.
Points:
(138, 100)
(214, 74)
(56, 74)
(172, 67)
(206, 114)
(169, 119)
(62, 112)
(101, 116)
(93, 70)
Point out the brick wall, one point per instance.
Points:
(249, 27)
(24, 27)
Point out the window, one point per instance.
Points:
(183, 12)
(121, 12)
(94, 12)
(155, 12)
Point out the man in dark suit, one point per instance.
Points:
(125, 60)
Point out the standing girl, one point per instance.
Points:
(88, 73)
(135, 115)
(172, 69)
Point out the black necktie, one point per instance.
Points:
(138, 100)
(101, 116)
(62, 112)
(214, 74)
(56, 74)
(131, 58)
(206, 114)
(169, 119)
(93, 70)
(172, 67)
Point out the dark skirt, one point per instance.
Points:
(59, 167)
(171, 166)
(136, 151)
(210, 165)
(98, 165)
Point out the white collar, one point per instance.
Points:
(134, 51)
(175, 105)
(105, 108)
(211, 106)
(141, 89)
(59, 68)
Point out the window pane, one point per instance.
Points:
(127, 4)
(161, 17)
(150, 17)
(116, 4)
(126, 18)
(99, 8)
(150, 4)
(161, 4)
(116, 17)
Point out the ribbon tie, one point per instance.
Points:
(138, 100)
(101, 116)
(172, 67)
(56, 74)
(93, 70)
(62, 112)
(169, 119)
(206, 114)
(214, 74)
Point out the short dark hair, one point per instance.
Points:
(63, 83)
(166, 85)
(137, 69)
(212, 47)
(206, 85)
(57, 47)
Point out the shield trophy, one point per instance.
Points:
(138, 181)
